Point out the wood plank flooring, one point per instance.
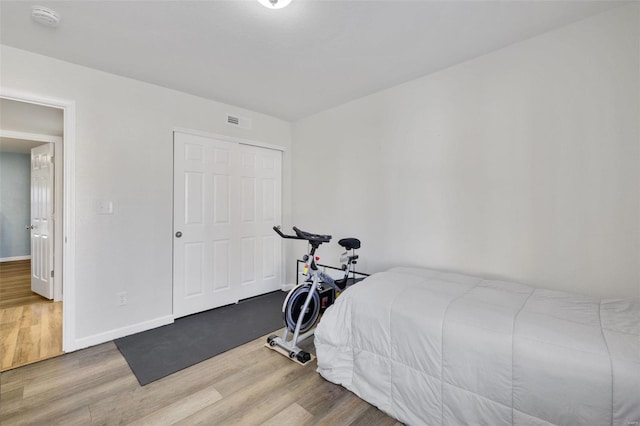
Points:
(30, 325)
(248, 385)
(15, 284)
(30, 333)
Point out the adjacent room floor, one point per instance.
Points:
(30, 325)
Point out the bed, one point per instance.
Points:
(436, 348)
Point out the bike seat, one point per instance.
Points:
(350, 243)
(341, 283)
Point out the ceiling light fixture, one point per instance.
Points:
(45, 16)
(274, 4)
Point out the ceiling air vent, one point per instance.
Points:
(242, 122)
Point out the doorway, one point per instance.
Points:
(31, 309)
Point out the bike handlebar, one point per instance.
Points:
(302, 235)
(277, 229)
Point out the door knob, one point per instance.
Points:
(30, 227)
(178, 234)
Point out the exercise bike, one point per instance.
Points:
(305, 302)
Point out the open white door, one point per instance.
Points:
(227, 197)
(41, 220)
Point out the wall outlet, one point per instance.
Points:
(122, 298)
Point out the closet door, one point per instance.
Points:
(225, 195)
(260, 246)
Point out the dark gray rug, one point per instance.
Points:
(157, 353)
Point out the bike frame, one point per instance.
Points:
(312, 270)
(315, 282)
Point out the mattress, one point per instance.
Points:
(437, 348)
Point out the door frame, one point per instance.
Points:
(65, 209)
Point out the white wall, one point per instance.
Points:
(124, 153)
(522, 164)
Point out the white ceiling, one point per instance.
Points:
(18, 146)
(288, 63)
(28, 119)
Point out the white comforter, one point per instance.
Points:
(437, 348)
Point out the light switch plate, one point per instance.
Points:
(104, 207)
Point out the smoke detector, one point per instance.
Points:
(275, 4)
(45, 16)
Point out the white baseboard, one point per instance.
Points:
(14, 258)
(110, 335)
(287, 287)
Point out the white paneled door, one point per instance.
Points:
(41, 226)
(260, 204)
(226, 199)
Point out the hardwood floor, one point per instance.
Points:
(30, 333)
(248, 385)
(30, 325)
(15, 285)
